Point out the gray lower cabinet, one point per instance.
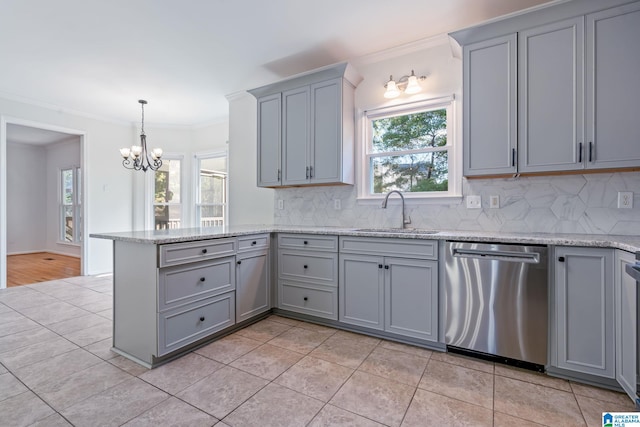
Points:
(393, 294)
(584, 311)
(252, 284)
(626, 324)
(308, 274)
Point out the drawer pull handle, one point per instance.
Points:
(305, 298)
(204, 251)
(202, 279)
(202, 318)
(305, 266)
(305, 242)
(254, 243)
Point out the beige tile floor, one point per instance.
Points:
(57, 369)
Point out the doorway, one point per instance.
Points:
(42, 202)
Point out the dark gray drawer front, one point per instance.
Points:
(191, 282)
(316, 267)
(192, 322)
(313, 300)
(180, 253)
(308, 241)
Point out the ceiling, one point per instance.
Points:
(33, 136)
(183, 56)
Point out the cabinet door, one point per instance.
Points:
(613, 91)
(361, 291)
(584, 310)
(626, 324)
(269, 126)
(252, 286)
(411, 298)
(295, 136)
(550, 97)
(489, 116)
(326, 142)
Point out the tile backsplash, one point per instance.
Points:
(551, 204)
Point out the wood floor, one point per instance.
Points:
(40, 267)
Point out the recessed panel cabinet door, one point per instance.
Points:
(326, 141)
(361, 291)
(584, 310)
(613, 88)
(269, 126)
(489, 115)
(626, 324)
(295, 136)
(550, 97)
(252, 285)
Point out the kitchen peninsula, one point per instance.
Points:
(177, 289)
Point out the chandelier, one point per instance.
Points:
(138, 157)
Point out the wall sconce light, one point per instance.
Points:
(408, 84)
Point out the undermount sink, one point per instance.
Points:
(396, 230)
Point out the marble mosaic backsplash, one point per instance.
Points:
(550, 204)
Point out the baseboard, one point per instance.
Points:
(43, 251)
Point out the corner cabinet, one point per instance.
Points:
(306, 129)
(575, 102)
(390, 285)
(584, 311)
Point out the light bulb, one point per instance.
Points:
(136, 150)
(125, 152)
(412, 85)
(392, 90)
(157, 152)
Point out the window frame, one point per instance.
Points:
(76, 206)
(365, 152)
(150, 204)
(198, 157)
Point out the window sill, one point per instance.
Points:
(77, 244)
(412, 200)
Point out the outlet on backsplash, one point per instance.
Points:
(625, 200)
(494, 202)
(337, 204)
(474, 202)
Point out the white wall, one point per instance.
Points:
(248, 204)
(26, 198)
(59, 156)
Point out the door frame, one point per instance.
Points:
(7, 120)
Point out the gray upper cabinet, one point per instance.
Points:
(269, 118)
(626, 324)
(613, 90)
(584, 316)
(489, 116)
(307, 138)
(550, 97)
(574, 105)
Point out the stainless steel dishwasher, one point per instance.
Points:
(496, 300)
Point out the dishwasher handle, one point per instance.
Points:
(509, 256)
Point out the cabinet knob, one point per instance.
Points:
(305, 266)
(202, 318)
(305, 242)
(204, 251)
(386, 267)
(202, 279)
(560, 259)
(254, 243)
(305, 298)
(239, 262)
(379, 265)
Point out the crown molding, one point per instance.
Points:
(401, 50)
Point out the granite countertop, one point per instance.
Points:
(628, 243)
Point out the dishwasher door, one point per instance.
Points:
(496, 299)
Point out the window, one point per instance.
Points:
(409, 148)
(167, 207)
(211, 197)
(70, 212)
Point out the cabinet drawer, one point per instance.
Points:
(406, 248)
(314, 300)
(187, 324)
(180, 253)
(250, 243)
(309, 266)
(187, 283)
(307, 241)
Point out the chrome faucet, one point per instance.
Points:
(406, 220)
